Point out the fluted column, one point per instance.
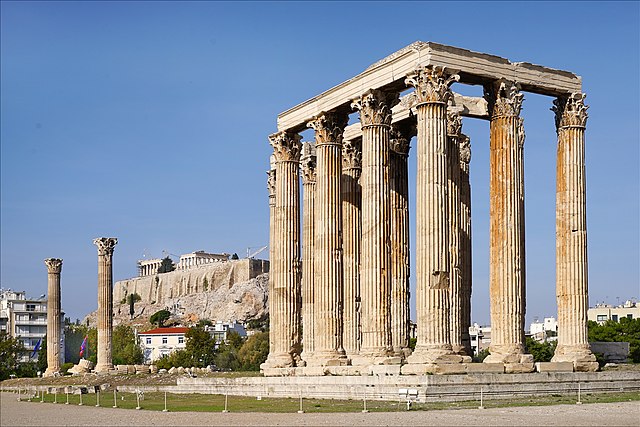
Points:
(351, 237)
(308, 169)
(454, 126)
(465, 261)
(284, 292)
(432, 217)
(375, 262)
(571, 235)
(506, 251)
(399, 183)
(54, 268)
(105, 245)
(271, 189)
(327, 344)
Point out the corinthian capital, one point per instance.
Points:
(504, 98)
(105, 245)
(308, 163)
(399, 140)
(286, 146)
(352, 154)
(271, 182)
(432, 84)
(571, 111)
(329, 127)
(375, 107)
(54, 265)
(465, 149)
(454, 123)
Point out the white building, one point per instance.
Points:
(26, 319)
(220, 329)
(603, 312)
(480, 337)
(160, 342)
(546, 330)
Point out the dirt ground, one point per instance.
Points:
(14, 413)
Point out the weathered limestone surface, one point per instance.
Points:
(465, 241)
(506, 251)
(375, 117)
(328, 245)
(308, 169)
(54, 268)
(399, 183)
(351, 237)
(284, 293)
(105, 245)
(571, 235)
(432, 237)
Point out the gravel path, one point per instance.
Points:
(14, 413)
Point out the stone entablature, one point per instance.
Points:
(148, 267)
(443, 220)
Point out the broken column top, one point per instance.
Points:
(474, 68)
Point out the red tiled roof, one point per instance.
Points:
(165, 331)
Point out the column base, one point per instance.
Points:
(580, 355)
(282, 360)
(328, 358)
(433, 355)
(462, 351)
(104, 367)
(52, 372)
(375, 357)
(508, 353)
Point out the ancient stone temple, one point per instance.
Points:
(339, 300)
(54, 353)
(105, 245)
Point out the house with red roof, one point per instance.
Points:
(160, 342)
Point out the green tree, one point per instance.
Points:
(166, 266)
(10, 351)
(482, 354)
(200, 347)
(159, 317)
(42, 363)
(132, 299)
(234, 256)
(541, 352)
(254, 351)
(626, 330)
(125, 350)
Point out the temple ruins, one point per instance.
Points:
(105, 245)
(347, 280)
(55, 354)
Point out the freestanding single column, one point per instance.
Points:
(375, 262)
(465, 241)
(571, 235)
(327, 343)
(351, 236)
(105, 245)
(454, 126)
(399, 183)
(308, 169)
(284, 293)
(54, 268)
(506, 251)
(432, 92)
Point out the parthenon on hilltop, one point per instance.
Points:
(347, 279)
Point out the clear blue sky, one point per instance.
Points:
(149, 121)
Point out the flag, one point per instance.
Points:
(36, 348)
(83, 346)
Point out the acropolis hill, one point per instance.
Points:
(228, 290)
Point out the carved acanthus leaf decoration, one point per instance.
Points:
(571, 111)
(54, 265)
(286, 146)
(352, 154)
(431, 84)
(308, 163)
(271, 182)
(504, 98)
(375, 107)
(105, 245)
(464, 145)
(454, 123)
(329, 127)
(399, 140)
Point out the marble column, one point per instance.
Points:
(284, 292)
(105, 245)
(399, 184)
(328, 304)
(308, 169)
(375, 256)
(506, 230)
(454, 127)
(431, 95)
(465, 241)
(351, 237)
(54, 268)
(571, 235)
